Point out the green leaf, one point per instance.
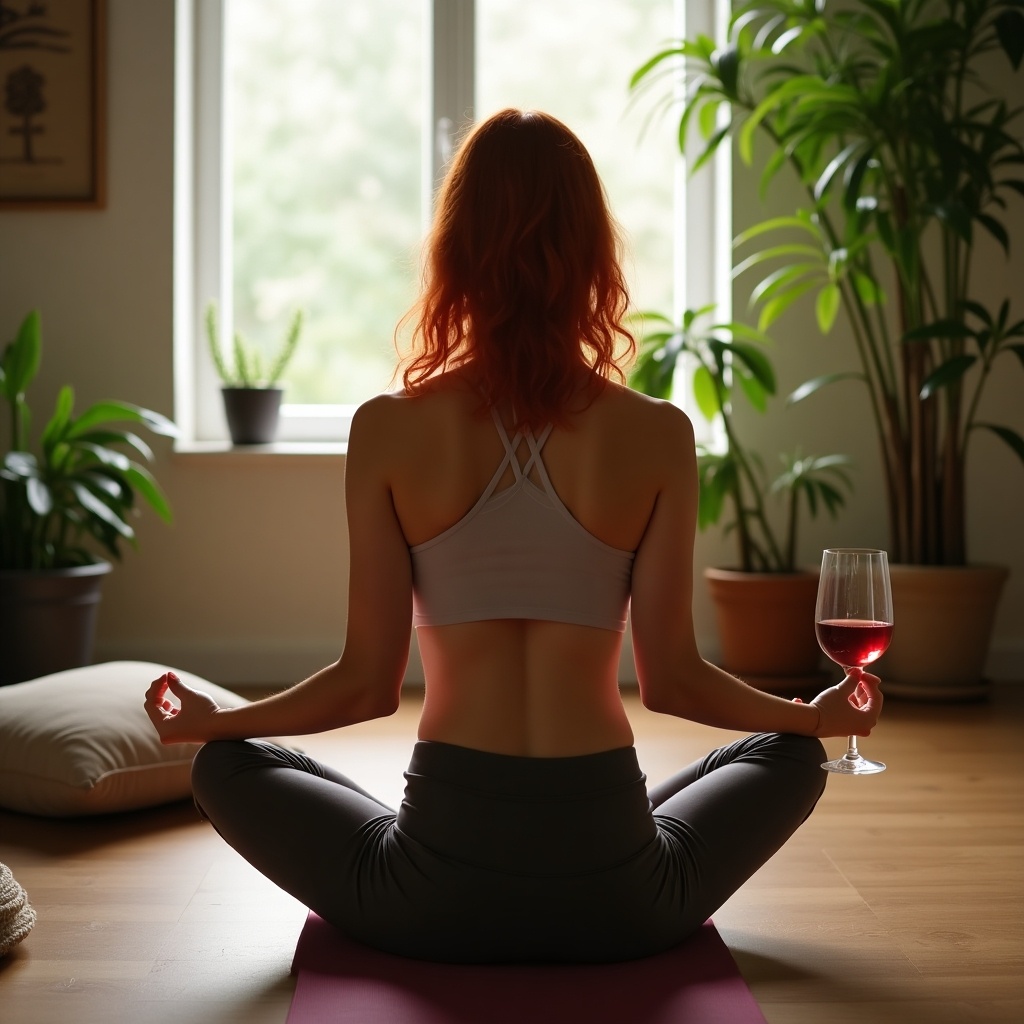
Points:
(645, 69)
(1011, 437)
(143, 481)
(852, 183)
(53, 430)
(708, 118)
(21, 464)
(108, 437)
(101, 510)
(21, 357)
(717, 477)
(886, 230)
(776, 224)
(787, 37)
(775, 162)
(979, 311)
(112, 486)
(776, 251)
(709, 150)
(774, 309)
(110, 411)
(756, 362)
(938, 329)
(951, 370)
(107, 456)
(832, 496)
(40, 499)
(1009, 25)
(809, 387)
(1004, 315)
(835, 165)
(827, 307)
(995, 229)
(654, 371)
(755, 392)
(742, 332)
(779, 280)
(789, 89)
(651, 377)
(867, 289)
(705, 393)
(957, 218)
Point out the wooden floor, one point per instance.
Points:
(900, 901)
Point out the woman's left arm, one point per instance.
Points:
(365, 682)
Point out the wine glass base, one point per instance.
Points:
(853, 766)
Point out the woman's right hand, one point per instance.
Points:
(850, 708)
(179, 713)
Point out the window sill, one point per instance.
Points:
(277, 450)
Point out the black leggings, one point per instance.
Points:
(493, 858)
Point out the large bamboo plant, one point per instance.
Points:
(882, 109)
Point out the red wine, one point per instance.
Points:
(853, 641)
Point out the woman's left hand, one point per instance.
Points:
(186, 719)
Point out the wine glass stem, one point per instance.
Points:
(852, 753)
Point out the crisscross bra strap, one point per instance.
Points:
(511, 457)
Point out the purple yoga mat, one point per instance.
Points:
(342, 982)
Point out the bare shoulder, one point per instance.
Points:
(650, 424)
(387, 413)
(372, 418)
(400, 430)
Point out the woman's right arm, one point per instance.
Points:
(365, 682)
(674, 679)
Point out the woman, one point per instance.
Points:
(512, 501)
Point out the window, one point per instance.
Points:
(314, 138)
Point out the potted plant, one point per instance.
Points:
(252, 399)
(74, 494)
(881, 109)
(765, 605)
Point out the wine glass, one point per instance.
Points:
(853, 623)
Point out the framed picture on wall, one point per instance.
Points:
(52, 97)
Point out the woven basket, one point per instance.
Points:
(16, 915)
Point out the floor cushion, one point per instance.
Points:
(79, 742)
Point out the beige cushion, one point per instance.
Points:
(80, 742)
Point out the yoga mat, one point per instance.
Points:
(342, 982)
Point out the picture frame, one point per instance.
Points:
(52, 104)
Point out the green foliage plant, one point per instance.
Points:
(883, 110)
(77, 491)
(729, 359)
(248, 367)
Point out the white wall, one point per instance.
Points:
(249, 583)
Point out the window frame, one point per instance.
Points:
(202, 201)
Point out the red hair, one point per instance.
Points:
(522, 280)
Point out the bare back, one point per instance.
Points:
(522, 686)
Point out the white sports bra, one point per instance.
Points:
(518, 553)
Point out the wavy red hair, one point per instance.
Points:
(522, 280)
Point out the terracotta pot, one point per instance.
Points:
(943, 619)
(766, 628)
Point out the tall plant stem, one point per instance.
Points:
(879, 375)
(773, 555)
(888, 424)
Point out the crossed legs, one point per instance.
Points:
(733, 809)
(304, 825)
